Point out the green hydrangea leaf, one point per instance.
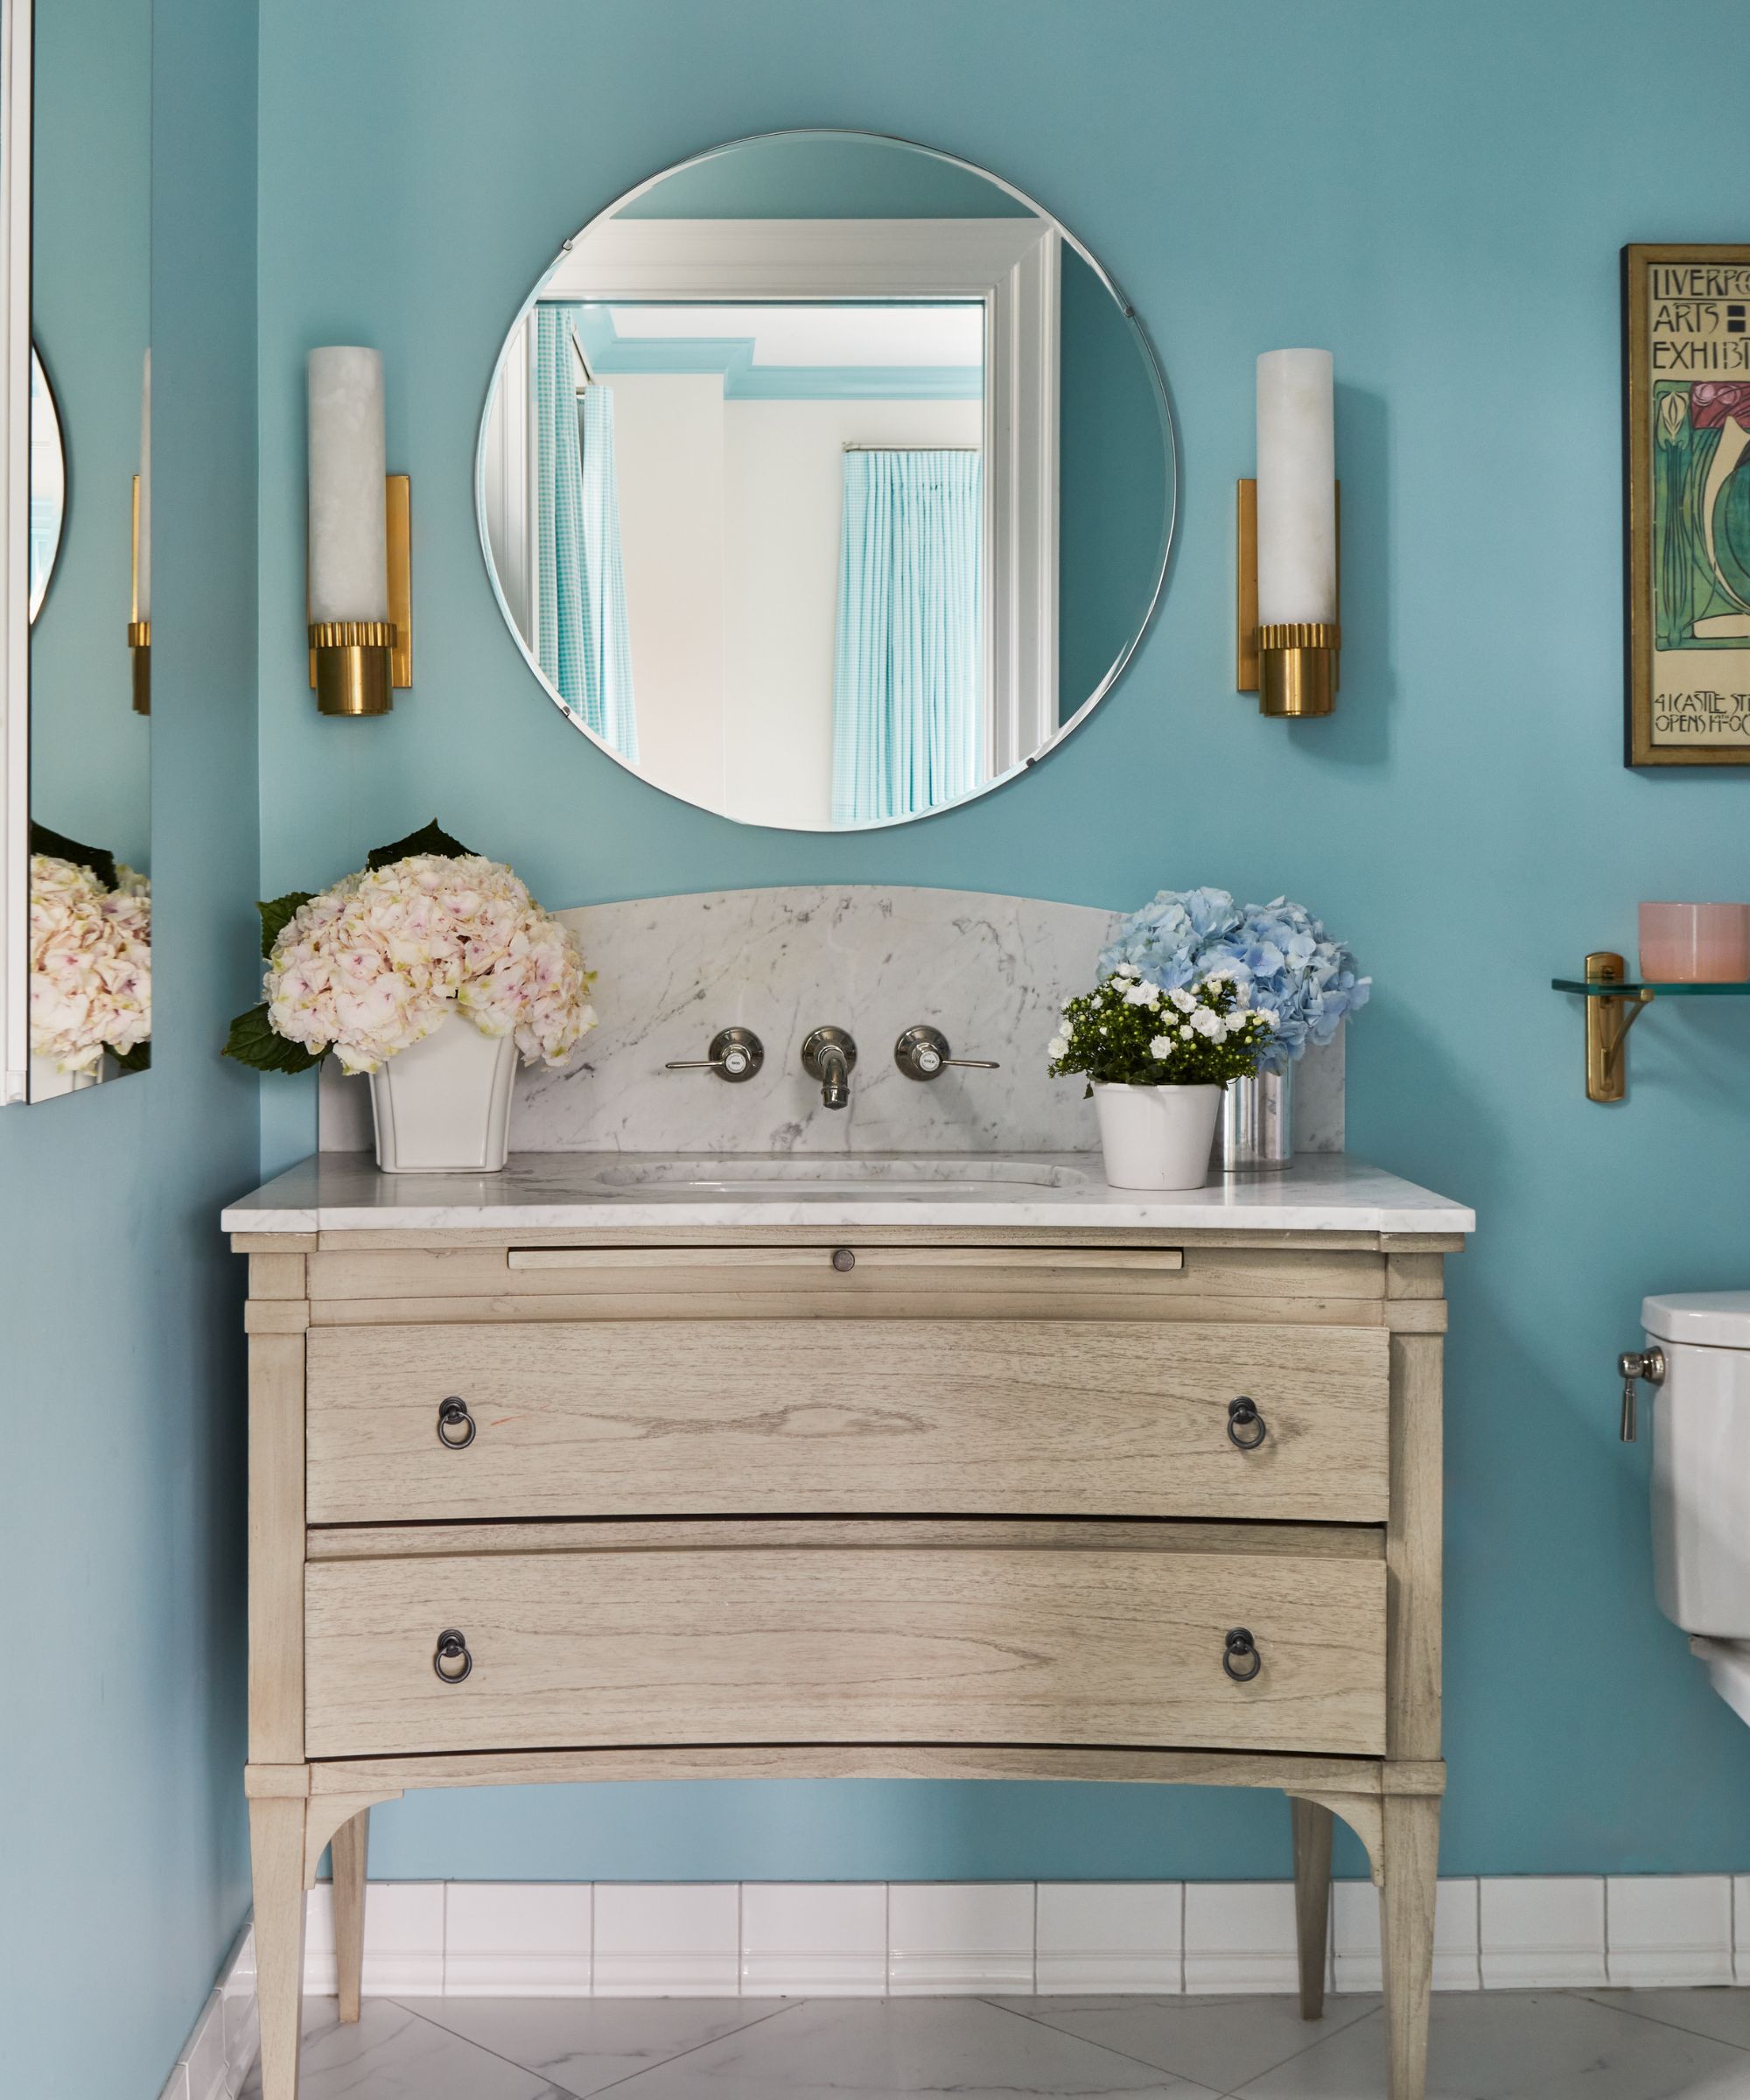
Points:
(254, 1042)
(139, 1059)
(430, 838)
(276, 914)
(59, 846)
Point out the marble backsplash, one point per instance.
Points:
(990, 972)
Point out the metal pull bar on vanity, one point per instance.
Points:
(1130, 1261)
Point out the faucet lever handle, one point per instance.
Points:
(922, 1053)
(734, 1054)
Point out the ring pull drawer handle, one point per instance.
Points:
(455, 1424)
(1240, 1657)
(452, 1649)
(1246, 1427)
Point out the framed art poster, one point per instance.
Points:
(1686, 372)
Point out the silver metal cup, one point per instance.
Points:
(1257, 1125)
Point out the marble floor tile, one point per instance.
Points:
(583, 2044)
(917, 2048)
(1723, 2013)
(1521, 2045)
(396, 2055)
(1220, 2042)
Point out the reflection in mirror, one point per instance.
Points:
(90, 839)
(48, 484)
(825, 481)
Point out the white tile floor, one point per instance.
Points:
(1528, 2044)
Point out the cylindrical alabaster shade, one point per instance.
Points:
(143, 577)
(1297, 487)
(348, 550)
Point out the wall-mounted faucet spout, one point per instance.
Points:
(828, 1055)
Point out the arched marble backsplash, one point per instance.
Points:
(990, 972)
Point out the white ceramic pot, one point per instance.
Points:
(46, 1081)
(443, 1105)
(1156, 1137)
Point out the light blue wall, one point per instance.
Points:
(1437, 193)
(121, 1345)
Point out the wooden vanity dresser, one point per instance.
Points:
(558, 1503)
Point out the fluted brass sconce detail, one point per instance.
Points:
(1288, 638)
(139, 631)
(358, 599)
(355, 665)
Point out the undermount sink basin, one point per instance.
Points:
(813, 1175)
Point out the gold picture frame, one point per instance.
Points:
(1686, 397)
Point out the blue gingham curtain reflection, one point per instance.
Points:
(907, 731)
(584, 644)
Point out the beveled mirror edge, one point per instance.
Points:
(1163, 407)
(15, 581)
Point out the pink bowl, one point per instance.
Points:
(1695, 943)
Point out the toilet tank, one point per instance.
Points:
(1701, 1460)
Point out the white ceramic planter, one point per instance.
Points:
(46, 1081)
(442, 1106)
(1156, 1137)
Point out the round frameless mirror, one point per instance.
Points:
(826, 481)
(48, 483)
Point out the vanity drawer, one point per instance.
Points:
(750, 1418)
(1000, 1634)
(829, 1278)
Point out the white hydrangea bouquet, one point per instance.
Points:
(91, 959)
(425, 929)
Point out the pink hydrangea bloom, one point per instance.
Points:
(377, 962)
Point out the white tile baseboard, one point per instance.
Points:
(949, 1939)
(1668, 1928)
(864, 1939)
(223, 2042)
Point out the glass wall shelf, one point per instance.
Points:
(1634, 989)
(1614, 1003)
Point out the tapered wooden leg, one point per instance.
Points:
(1312, 1823)
(350, 1845)
(1411, 1852)
(277, 1855)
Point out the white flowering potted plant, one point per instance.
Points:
(91, 965)
(1156, 1063)
(1283, 963)
(429, 969)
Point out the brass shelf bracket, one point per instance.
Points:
(1608, 1022)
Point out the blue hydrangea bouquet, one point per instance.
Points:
(1279, 955)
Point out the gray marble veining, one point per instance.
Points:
(992, 972)
(896, 2048)
(1521, 2045)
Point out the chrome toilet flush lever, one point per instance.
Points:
(1635, 1365)
(922, 1053)
(734, 1054)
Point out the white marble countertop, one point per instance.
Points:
(343, 1192)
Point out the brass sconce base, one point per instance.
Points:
(351, 660)
(345, 671)
(140, 642)
(1292, 668)
(1298, 668)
